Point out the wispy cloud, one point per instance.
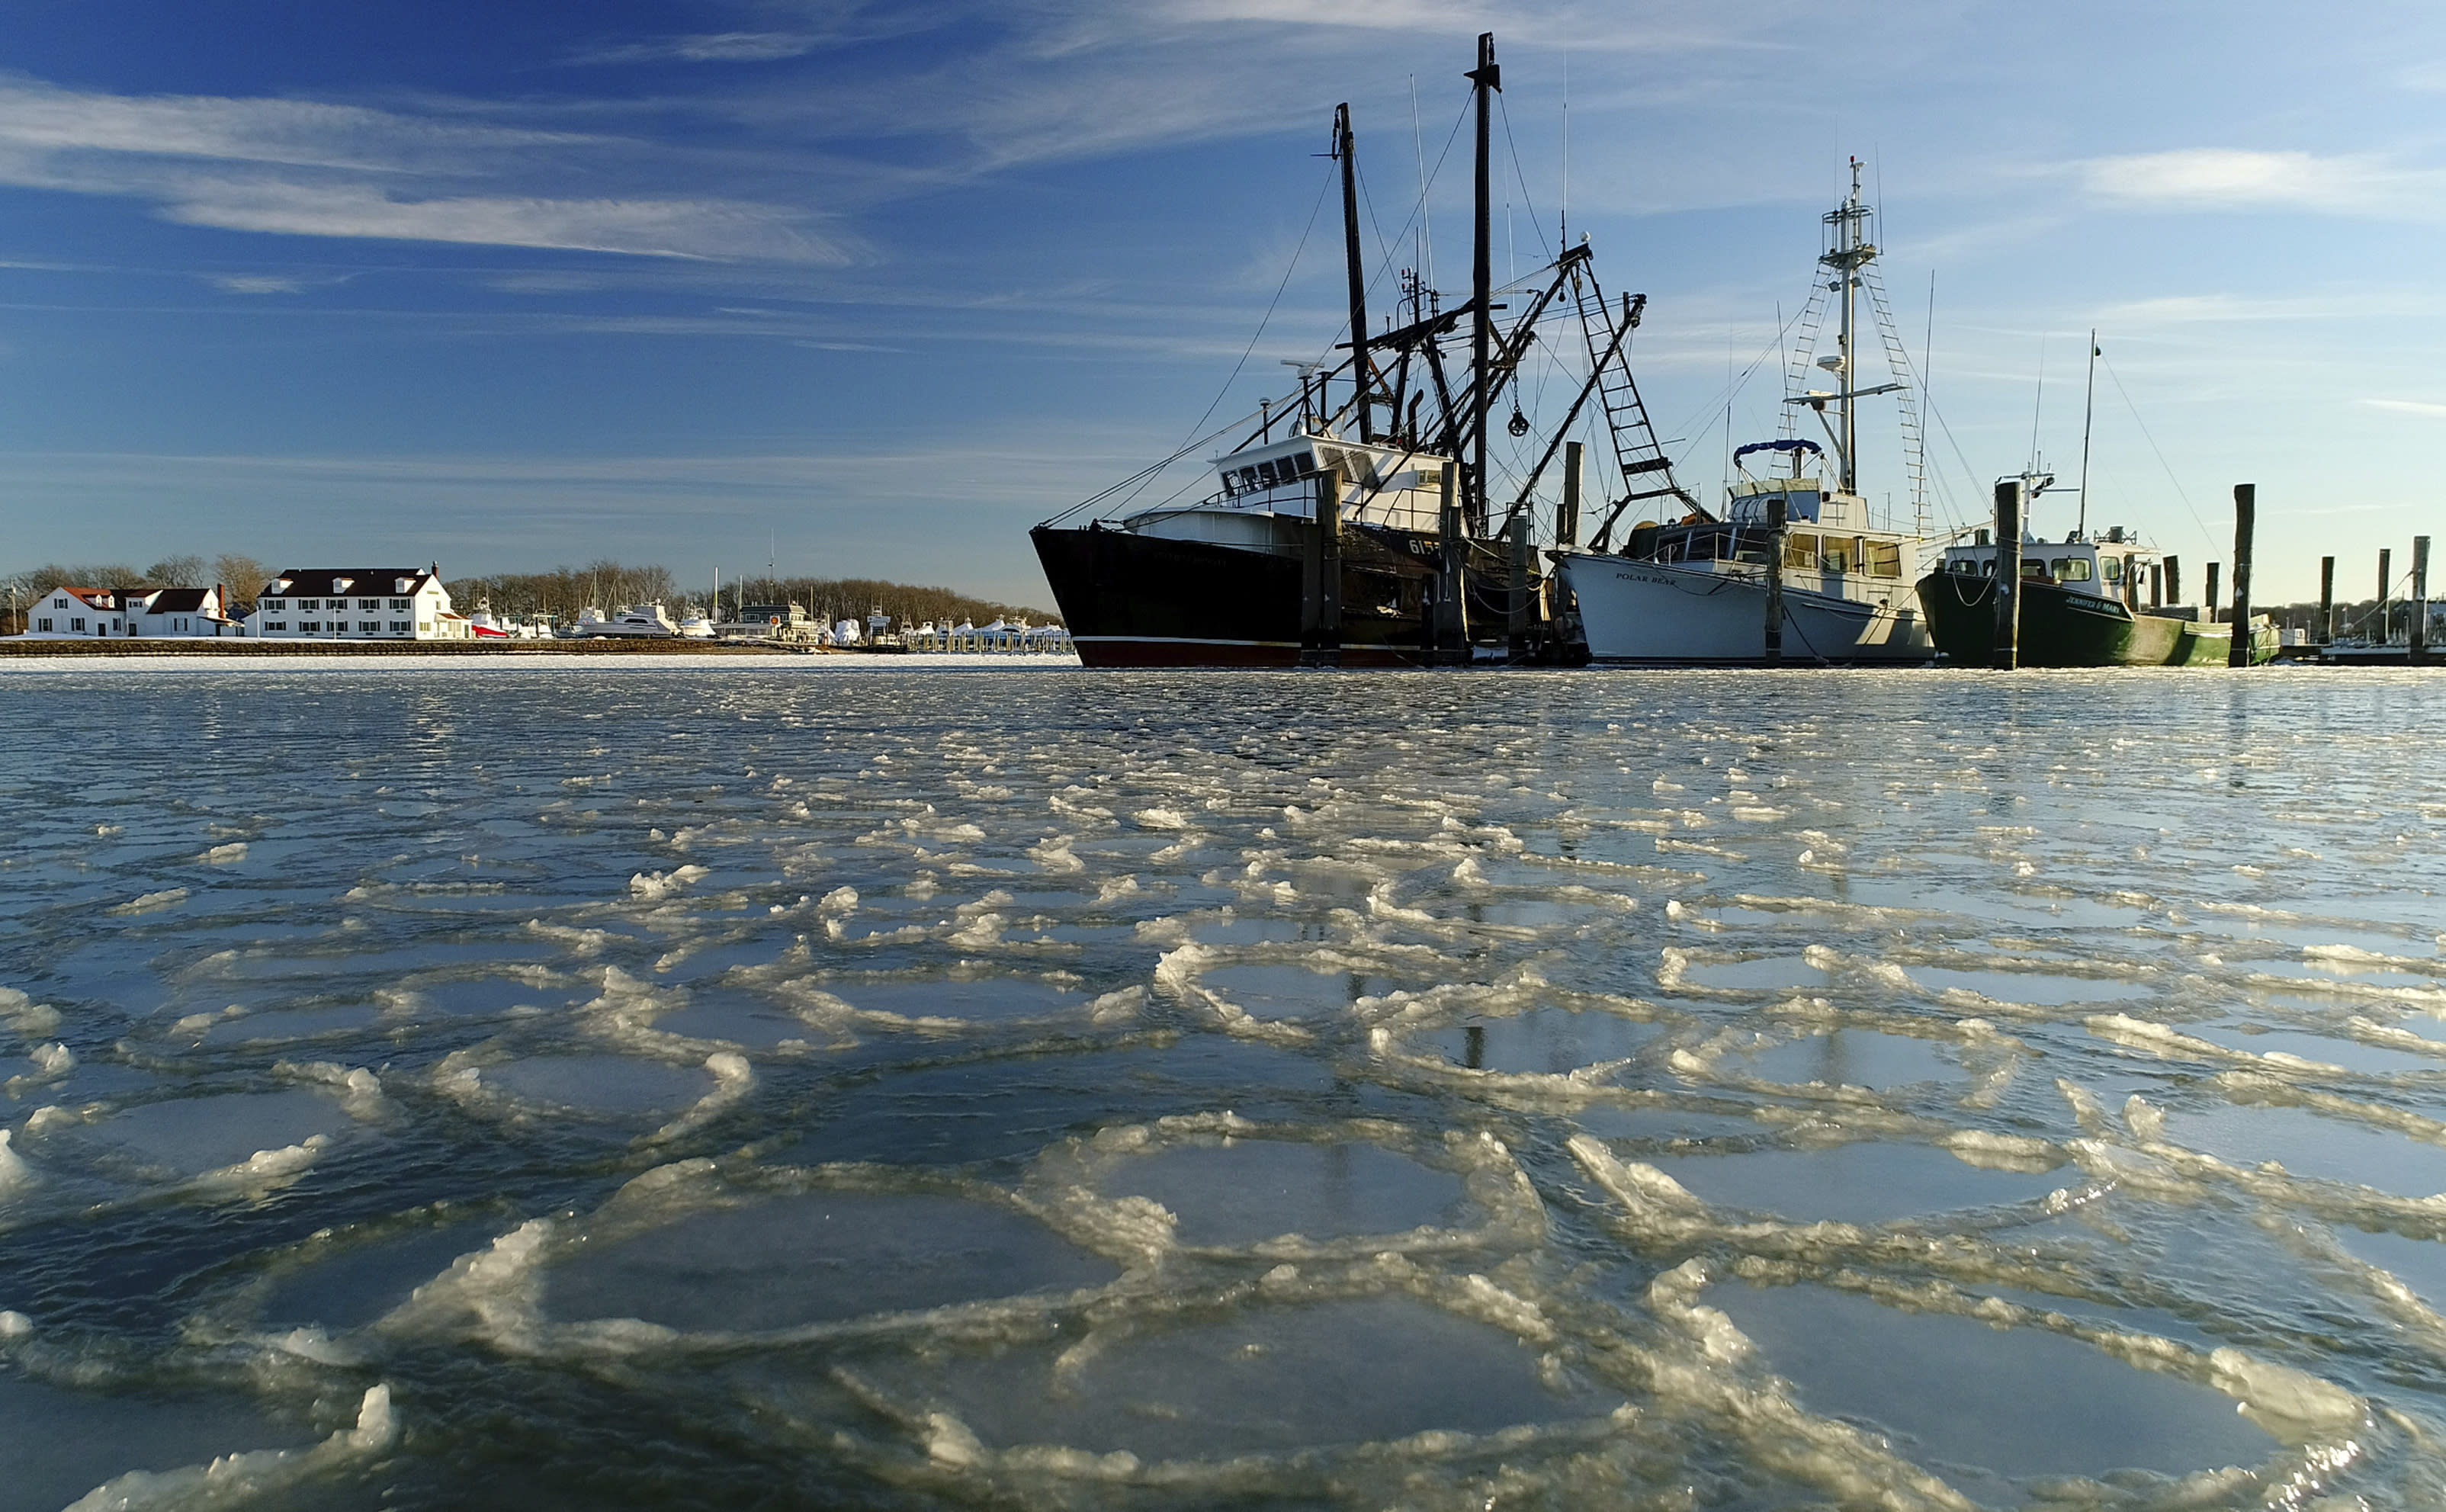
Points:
(2233, 179)
(660, 228)
(720, 47)
(301, 168)
(2427, 409)
(256, 284)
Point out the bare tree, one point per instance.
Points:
(184, 571)
(242, 577)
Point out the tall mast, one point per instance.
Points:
(1346, 148)
(2088, 408)
(1850, 248)
(1487, 78)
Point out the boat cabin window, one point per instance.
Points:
(1881, 558)
(2111, 568)
(1800, 550)
(2034, 567)
(1840, 554)
(2069, 569)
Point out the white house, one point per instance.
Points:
(79, 613)
(177, 614)
(357, 603)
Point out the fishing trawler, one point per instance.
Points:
(2079, 602)
(1819, 580)
(1370, 523)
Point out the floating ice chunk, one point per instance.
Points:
(235, 1139)
(24, 1015)
(224, 855)
(16, 1325)
(1278, 1380)
(662, 885)
(1161, 818)
(15, 1172)
(813, 1257)
(2018, 1403)
(245, 1477)
(2293, 1406)
(148, 902)
(1238, 1192)
(733, 1079)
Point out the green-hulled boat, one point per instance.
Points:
(2080, 608)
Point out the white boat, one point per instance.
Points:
(638, 621)
(694, 626)
(1696, 592)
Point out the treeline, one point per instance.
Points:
(610, 586)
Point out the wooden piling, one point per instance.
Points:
(2385, 631)
(2418, 645)
(2245, 519)
(2208, 613)
(1566, 514)
(1452, 594)
(1775, 524)
(2007, 649)
(2326, 599)
(1329, 576)
(1522, 565)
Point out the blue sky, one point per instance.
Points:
(874, 287)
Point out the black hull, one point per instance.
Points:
(1133, 601)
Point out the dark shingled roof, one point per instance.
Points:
(323, 582)
(180, 601)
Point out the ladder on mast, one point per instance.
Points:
(1906, 399)
(1636, 452)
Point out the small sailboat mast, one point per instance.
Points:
(2088, 409)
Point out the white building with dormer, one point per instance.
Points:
(69, 613)
(356, 603)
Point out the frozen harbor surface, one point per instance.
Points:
(740, 1085)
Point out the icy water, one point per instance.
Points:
(753, 1085)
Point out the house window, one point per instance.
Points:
(59, 603)
(273, 604)
(310, 624)
(399, 603)
(400, 627)
(310, 603)
(45, 624)
(369, 603)
(369, 624)
(77, 623)
(277, 624)
(426, 626)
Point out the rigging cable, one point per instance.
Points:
(1273, 305)
(2205, 534)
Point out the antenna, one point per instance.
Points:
(2037, 400)
(1564, 238)
(1426, 223)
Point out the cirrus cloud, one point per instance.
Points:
(2233, 179)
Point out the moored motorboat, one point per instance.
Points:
(2079, 607)
(1825, 585)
